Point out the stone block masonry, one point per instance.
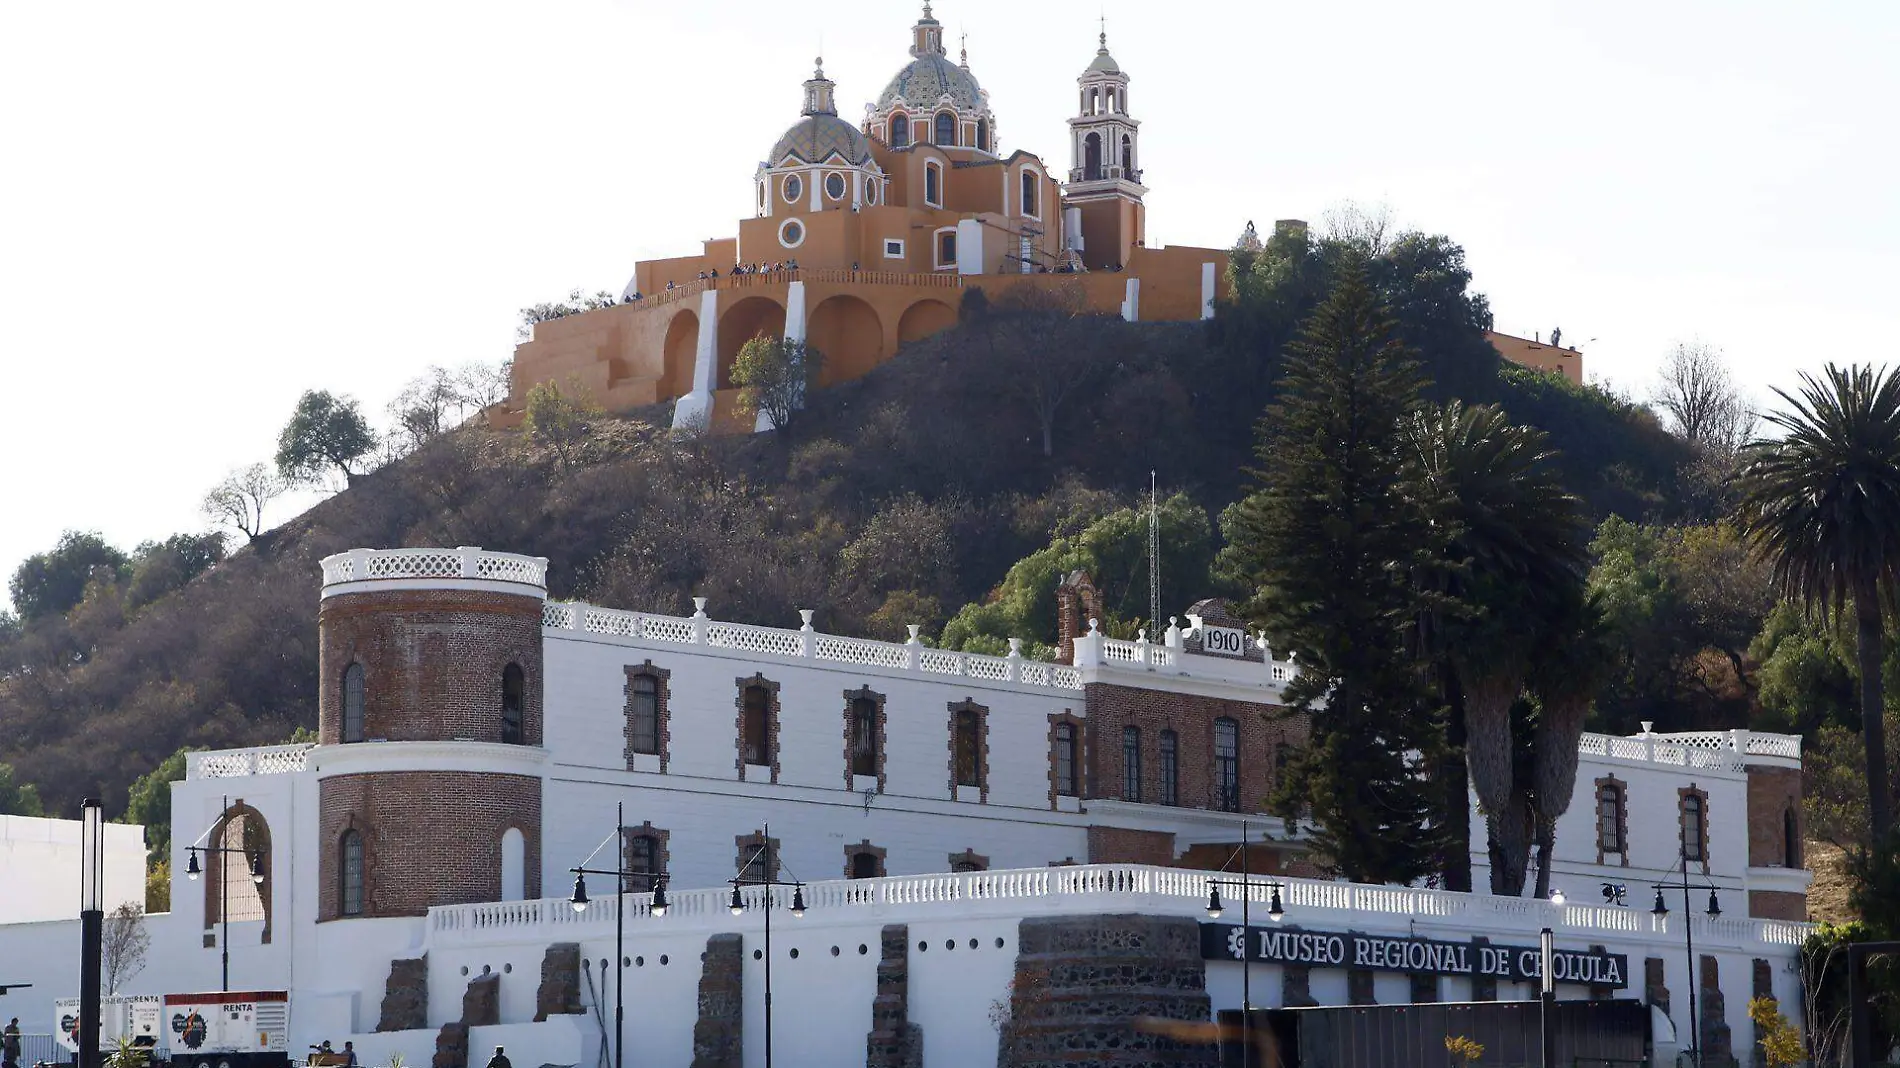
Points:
(894, 1042)
(560, 990)
(718, 1034)
(1083, 984)
(406, 996)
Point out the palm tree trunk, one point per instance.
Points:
(1546, 844)
(1456, 867)
(1873, 720)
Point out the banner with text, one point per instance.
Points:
(1382, 953)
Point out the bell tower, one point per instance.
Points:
(1106, 219)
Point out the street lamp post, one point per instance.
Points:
(738, 907)
(1274, 913)
(91, 925)
(192, 869)
(1547, 995)
(657, 908)
(1661, 908)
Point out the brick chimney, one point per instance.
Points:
(1077, 602)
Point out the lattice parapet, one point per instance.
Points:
(466, 562)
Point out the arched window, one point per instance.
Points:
(1131, 763)
(1031, 207)
(514, 865)
(983, 134)
(643, 863)
(1092, 157)
(1065, 761)
(1226, 765)
(1170, 768)
(933, 185)
(969, 747)
(866, 865)
(1128, 157)
(643, 714)
(353, 703)
(755, 743)
(513, 695)
(350, 874)
(863, 736)
(900, 131)
(1790, 839)
(946, 128)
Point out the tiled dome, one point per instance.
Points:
(926, 79)
(814, 138)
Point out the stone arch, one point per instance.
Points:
(741, 323)
(678, 354)
(849, 335)
(1092, 157)
(924, 318)
(239, 827)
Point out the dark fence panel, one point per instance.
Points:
(1590, 1034)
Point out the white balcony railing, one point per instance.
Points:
(236, 763)
(466, 562)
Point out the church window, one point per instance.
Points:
(946, 128)
(1065, 758)
(350, 874)
(353, 703)
(794, 188)
(1128, 157)
(834, 185)
(933, 185)
(900, 131)
(1131, 763)
(946, 249)
(792, 234)
(1031, 207)
(983, 134)
(1226, 765)
(1092, 157)
(1170, 768)
(643, 714)
(513, 694)
(871, 192)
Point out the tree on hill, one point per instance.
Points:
(325, 432)
(149, 803)
(1698, 395)
(560, 421)
(1046, 349)
(774, 376)
(1823, 505)
(239, 501)
(162, 567)
(53, 582)
(1327, 544)
(18, 798)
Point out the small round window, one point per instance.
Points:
(794, 188)
(792, 234)
(870, 192)
(834, 185)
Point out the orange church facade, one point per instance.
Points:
(865, 237)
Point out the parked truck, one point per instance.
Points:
(135, 1017)
(234, 1029)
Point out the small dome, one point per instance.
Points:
(1104, 63)
(814, 138)
(925, 81)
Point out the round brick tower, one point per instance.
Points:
(430, 758)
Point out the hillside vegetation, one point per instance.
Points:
(922, 493)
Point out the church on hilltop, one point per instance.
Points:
(864, 237)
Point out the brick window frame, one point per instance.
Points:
(660, 838)
(969, 861)
(982, 747)
(863, 848)
(367, 837)
(1622, 789)
(1682, 823)
(662, 695)
(851, 698)
(1217, 798)
(771, 723)
(747, 846)
(1132, 765)
(1168, 766)
(1077, 762)
(257, 838)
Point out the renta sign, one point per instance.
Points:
(1379, 953)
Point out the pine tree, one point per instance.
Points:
(1327, 542)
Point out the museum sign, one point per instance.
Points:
(1381, 953)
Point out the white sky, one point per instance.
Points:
(209, 207)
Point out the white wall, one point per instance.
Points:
(40, 865)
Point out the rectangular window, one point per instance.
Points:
(1609, 818)
(969, 748)
(1694, 828)
(1065, 760)
(947, 249)
(893, 250)
(933, 185)
(1170, 768)
(756, 743)
(643, 863)
(863, 736)
(1131, 763)
(1226, 765)
(643, 712)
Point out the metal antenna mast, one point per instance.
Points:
(1154, 557)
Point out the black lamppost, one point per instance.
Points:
(1274, 913)
(738, 907)
(192, 869)
(657, 908)
(1661, 908)
(92, 917)
(1547, 993)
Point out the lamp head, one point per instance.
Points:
(1661, 907)
(1715, 907)
(1213, 902)
(191, 866)
(798, 901)
(658, 905)
(579, 900)
(257, 868)
(1274, 910)
(737, 904)
(1557, 897)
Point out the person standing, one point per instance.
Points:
(500, 1060)
(10, 1044)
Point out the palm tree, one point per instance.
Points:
(1510, 551)
(1822, 506)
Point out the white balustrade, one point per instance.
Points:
(237, 763)
(466, 562)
